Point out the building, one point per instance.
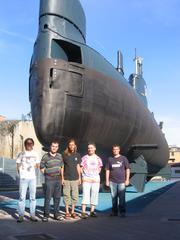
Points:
(174, 155)
(2, 118)
(174, 161)
(12, 136)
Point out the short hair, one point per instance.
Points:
(116, 145)
(55, 141)
(28, 139)
(92, 143)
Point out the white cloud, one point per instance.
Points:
(15, 34)
(6, 47)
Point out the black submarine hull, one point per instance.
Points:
(102, 110)
(75, 92)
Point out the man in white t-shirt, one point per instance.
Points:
(27, 162)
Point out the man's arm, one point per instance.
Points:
(79, 173)
(62, 170)
(18, 162)
(100, 164)
(127, 176)
(42, 166)
(107, 177)
(37, 165)
(62, 174)
(18, 165)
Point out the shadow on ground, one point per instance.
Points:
(134, 205)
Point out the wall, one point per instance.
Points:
(12, 136)
(174, 155)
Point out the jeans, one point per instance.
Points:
(118, 192)
(52, 189)
(23, 186)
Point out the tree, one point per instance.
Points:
(8, 128)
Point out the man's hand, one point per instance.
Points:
(79, 181)
(107, 183)
(42, 170)
(107, 178)
(126, 182)
(37, 165)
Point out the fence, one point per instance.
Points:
(8, 175)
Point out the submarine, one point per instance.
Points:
(75, 92)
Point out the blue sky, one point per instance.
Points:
(152, 27)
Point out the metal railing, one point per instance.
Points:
(9, 178)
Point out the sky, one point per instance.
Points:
(152, 27)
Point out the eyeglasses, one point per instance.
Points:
(29, 143)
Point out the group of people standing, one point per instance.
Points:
(68, 171)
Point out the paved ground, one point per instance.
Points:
(153, 215)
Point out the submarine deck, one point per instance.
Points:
(153, 214)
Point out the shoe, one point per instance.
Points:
(67, 216)
(73, 215)
(20, 219)
(93, 214)
(59, 218)
(84, 216)
(33, 219)
(45, 219)
(113, 214)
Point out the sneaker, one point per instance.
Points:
(20, 219)
(59, 218)
(84, 216)
(93, 214)
(45, 219)
(33, 219)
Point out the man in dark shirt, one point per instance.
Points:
(51, 166)
(117, 178)
(72, 177)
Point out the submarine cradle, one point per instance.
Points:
(75, 92)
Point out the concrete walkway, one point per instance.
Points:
(159, 220)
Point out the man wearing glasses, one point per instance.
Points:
(27, 162)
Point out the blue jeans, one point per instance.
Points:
(23, 186)
(118, 192)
